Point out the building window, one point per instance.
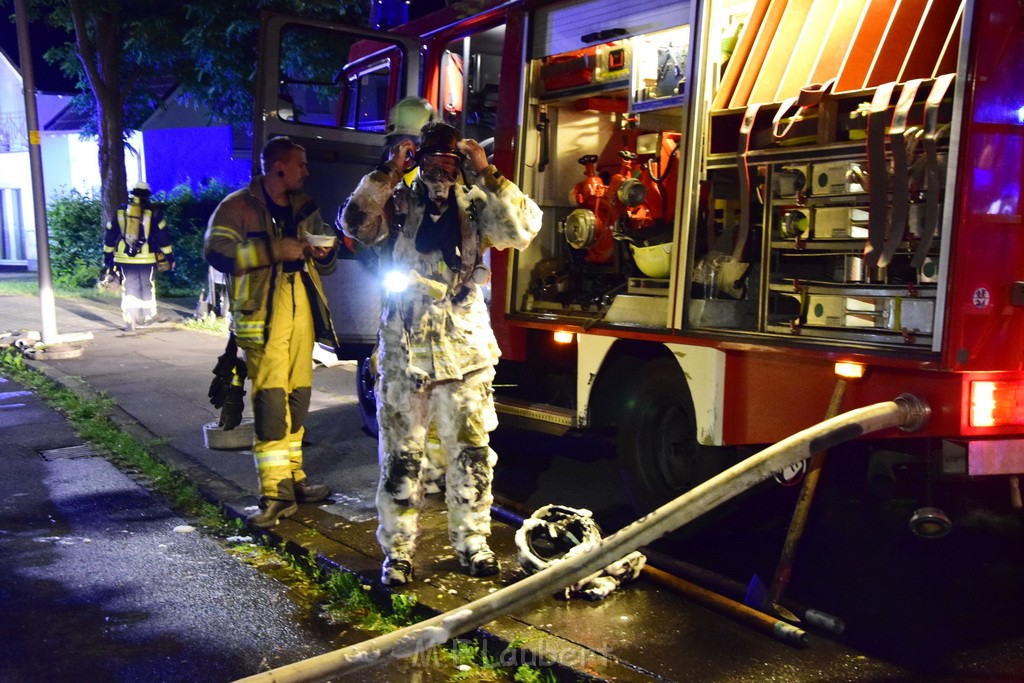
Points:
(12, 230)
(13, 137)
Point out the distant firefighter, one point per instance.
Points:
(135, 243)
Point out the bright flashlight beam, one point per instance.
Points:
(395, 281)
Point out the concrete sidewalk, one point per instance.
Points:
(158, 377)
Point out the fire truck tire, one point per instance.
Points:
(658, 453)
(365, 382)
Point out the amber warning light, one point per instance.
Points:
(848, 370)
(563, 337)
(997, 403)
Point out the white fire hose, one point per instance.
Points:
(907, 412)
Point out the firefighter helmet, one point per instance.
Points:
(141, 188)
(409, 115)
(439, 138)
(551, 533)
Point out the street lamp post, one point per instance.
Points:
(47, 307)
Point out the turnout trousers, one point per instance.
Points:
(138, 302)
(462, 412)
(282, 376)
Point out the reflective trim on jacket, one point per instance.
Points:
(136, 234)
(237, 242)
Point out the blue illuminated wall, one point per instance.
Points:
(193, 156)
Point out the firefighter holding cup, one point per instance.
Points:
(270, 240)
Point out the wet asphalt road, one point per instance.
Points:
(97, 585)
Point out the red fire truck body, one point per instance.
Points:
(751, 207)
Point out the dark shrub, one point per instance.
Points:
(187, 213)
(76, 240)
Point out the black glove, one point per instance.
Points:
(231, 412)
(222, 374)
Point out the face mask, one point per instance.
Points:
(439, 172)
(440, 168)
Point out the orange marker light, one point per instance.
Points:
(563, 337)
(849, 370)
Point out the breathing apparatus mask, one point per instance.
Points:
(439, 171)
(439, 159)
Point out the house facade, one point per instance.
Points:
(176, 145)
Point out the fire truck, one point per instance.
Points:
(757, 213)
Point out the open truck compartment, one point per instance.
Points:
(767, 168)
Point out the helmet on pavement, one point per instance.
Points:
(408, 116)
(551, 533)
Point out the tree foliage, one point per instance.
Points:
(125, 55)
(222, 42)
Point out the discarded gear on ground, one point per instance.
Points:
(555, 532)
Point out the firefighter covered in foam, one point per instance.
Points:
(437, 349)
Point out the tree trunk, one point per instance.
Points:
(100, 53)
(113, 192)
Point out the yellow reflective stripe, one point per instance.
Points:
(221, 231)
(246, 256)
(250, 330)
(167, 249)
(274, 458)
(142, 258)
(108, 250)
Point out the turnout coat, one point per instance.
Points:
(237, 242)
(438, 330)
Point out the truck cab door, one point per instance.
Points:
(329, 88)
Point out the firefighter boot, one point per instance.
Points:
(481, 562)
(272, 510)
(306, 492)
(396, 572)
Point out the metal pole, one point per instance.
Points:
(787, 633)
(784, 570)
(47, 307)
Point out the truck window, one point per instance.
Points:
(468, 82)
(322, 84)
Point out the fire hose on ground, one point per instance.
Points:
(906, 412)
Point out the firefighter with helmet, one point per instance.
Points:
(436, 346)
(405, 120)
(135, 243)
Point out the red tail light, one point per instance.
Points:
(995, 404)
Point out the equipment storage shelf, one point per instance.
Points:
(828, 258)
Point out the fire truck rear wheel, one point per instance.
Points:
(658, 453)
(365, 383)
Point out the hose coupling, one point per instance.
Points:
(916, 411)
